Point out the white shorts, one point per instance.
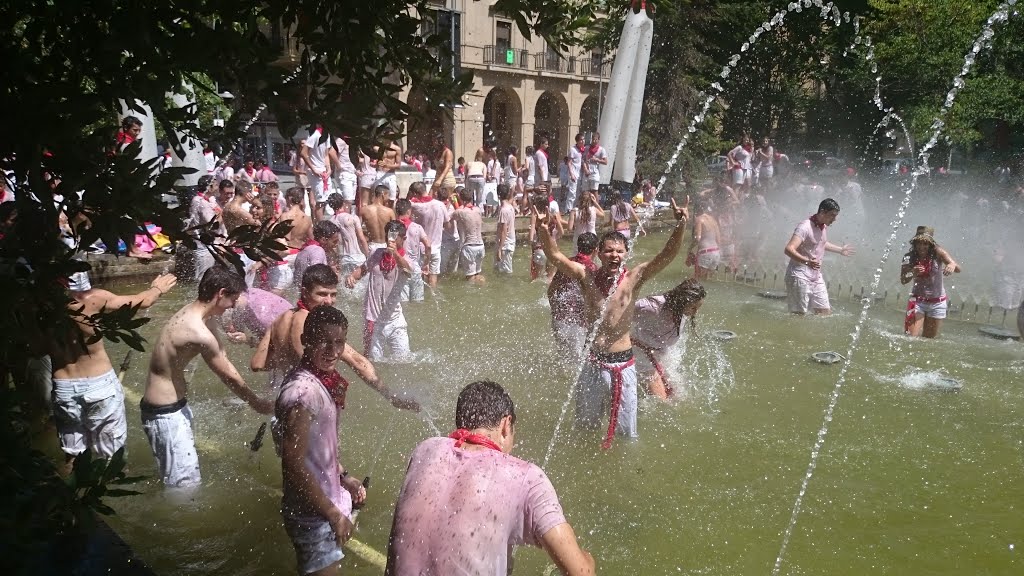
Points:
(709, 259)
(90, 414)
(570, 193)
(593, 394)
(471, 259)
(350, 262)
(504, 263)
(450, 251)
(368, 180)
(571, 339)
(433, 262)
(413, 289)
(935, 310)
(767, 171)
(347, 186)
(389, 339)
(316, 546)
(321, 189)
(491, 193)
(590, 185)
(389, 180)
(806, 295)
(174, 446)
(739, 176)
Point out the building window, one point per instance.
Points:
(503, 53)
(552, 58)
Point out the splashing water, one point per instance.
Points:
(984, 41)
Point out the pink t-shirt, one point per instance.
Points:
(654, 326)
(306, 257)
(812, 246)
(507, 216)
(414, 235)
(305, 390)
(462, 511)
(432, 216)
(260, 310)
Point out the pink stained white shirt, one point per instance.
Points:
(812, 247)
(432, 216)
(348, 224)
(303, 389)
(260, 310)
(414, 235)
(654, 326)
(383, 302)
(462, 511)
(308, 256)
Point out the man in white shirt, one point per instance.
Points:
(596, 157)
(345, 170)
(318, 165)
(542, 181)
(576, 166)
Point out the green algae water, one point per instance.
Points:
(910, 480)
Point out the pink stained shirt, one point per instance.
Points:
(462, 511)
(321, 459)
(654, 326)
(812, 246)
(432, 216)
(507, 216)
(260, 310)
(383, 300)
(306, 257)
(414, 235)
(348, 223)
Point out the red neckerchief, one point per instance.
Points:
(421, 199)
(814, 221)
(594, 148)
(544, 152)
(248, 172)
(405, 220)
(332, 380)
(310, 242)
(463, 436)
(748, 148)
(581, 148)
(301, 305)
(927, 264)
(124, 137)
(604, 283)
(467, 206)
(550, 198)
(388, 262)
(585, 260)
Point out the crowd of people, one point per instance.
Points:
(362, 236)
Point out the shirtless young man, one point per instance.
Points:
(568, 309)
(302, 225)
(609, 374)
(469, 222)
(386, 167)
(354, 248)
(88, 401)
(375, 216)
(432, 215)
(704, 253)
(192, 331)
(235, 213)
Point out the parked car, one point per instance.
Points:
(716, 164)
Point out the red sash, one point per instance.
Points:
(613, 418)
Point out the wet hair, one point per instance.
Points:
(270, 185)
(687, 292)
(335, 201)
(243, 187)
(828, 205)
(483, 404)
(403, 206)
(324, 229)
(224, 184)
(319, 275)
(318, 320)
(529, 150)
(294, 195)
(394, 226)
(220, 278)
(504, 192)
(381, 191)
(465, 196)
(587, 243)
(614, 236)
(129, 121)
(416, 189)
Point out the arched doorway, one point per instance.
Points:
(551, 119)
(503, 119)
(588, 116)
(426, 119)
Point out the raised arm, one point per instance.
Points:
(364, 369)
(216, 358)
(672, 246)
(555, 256)
(158, 287)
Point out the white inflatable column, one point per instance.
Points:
(148, 127)
(193, 150)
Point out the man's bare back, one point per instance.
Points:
(72, 354)
(302, 226)
(375, 216)
(235, 215)
(277, 350)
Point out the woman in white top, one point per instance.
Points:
(739, 162)
(585, 215)
(512, 179)
(475, 172)
(491, 178)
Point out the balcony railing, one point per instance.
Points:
(545, 62)
(503, 56)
